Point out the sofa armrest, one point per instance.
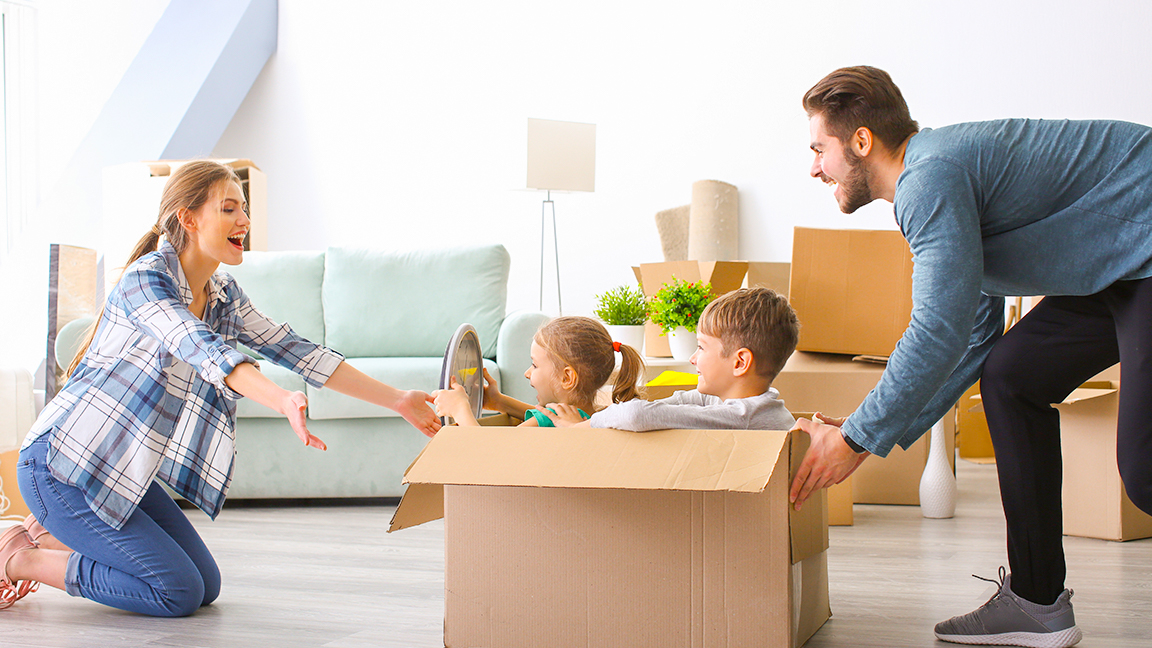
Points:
(514, 352)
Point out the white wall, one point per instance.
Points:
(402, 124)
(82, 51)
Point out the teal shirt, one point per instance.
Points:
(542, 419)
(1012, 207)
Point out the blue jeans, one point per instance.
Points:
(156, 564)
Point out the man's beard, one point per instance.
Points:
(856, 189)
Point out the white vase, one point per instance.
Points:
(938, 483)
(682, 343)
(633, 336)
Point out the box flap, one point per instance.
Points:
(421, 503)
(699, 460)
(1085, 394)
(809, 525)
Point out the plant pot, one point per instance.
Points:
(632, 335)
(682, 343)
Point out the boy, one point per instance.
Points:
(744, 339)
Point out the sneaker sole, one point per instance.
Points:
(1062, 639)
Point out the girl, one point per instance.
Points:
(572, 358)
(150, 400)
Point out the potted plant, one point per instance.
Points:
(676, 309)
(623, 311)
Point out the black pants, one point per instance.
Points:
(1061, 343)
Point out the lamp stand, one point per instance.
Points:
(555, 249)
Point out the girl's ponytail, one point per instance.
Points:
(628, 376)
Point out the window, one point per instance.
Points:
(17, 120)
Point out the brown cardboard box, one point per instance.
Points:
(580, 538)
(724, 276)
(11, 488)
(835, 385)
(972, 438)
(1095, 503)
(852, 290)
(769, 275)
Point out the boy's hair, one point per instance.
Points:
(757, 319)
(852, 97)
(585, 345)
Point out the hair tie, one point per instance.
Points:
(156, 230)
(616, 347)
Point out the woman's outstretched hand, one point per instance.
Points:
(293, 408)
(413, 406)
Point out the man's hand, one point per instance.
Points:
(828, 461)
(413, 406)
(292, 407)
(565, 415)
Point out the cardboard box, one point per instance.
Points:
(769, 275)
(1095, 502)
(852, 290)
(972, 438)
(11, 488)
(725, 276)
(132, 199)
(836, 385)
(582, 538)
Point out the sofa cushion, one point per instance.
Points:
(248, 408)
(408, 304)
(402, 373)
(286, 287)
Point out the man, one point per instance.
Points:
(1014, 207)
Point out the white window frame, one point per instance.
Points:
(18, 177)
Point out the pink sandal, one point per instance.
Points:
(14, 540)
(35, 529)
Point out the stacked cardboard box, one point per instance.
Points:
(1095, 502)
(580, 538)
(725, 276)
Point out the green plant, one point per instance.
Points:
(622, 306)
(679, 303)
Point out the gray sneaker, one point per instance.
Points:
(1008, 620)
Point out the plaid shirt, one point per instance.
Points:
(148, 400)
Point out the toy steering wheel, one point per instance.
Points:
(462, 361)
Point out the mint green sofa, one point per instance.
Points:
(391, 314)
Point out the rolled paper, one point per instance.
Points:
(713, 224)
(672, 224)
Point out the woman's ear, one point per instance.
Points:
(187, 219)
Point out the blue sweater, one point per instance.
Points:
(1014, 207)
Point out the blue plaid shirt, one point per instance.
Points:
(148, 401)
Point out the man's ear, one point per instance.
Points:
(862, 141)
(742, 361)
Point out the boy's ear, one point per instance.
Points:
(742, 361)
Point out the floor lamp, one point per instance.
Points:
(561, 157)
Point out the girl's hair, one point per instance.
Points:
(190, 187)
(584, 344)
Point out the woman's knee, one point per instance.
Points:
(182, 599)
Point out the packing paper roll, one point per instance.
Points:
(713, 225)
(672, 224)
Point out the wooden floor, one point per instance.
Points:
(330, 576)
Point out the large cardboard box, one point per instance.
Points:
(1095, 502)
(132, 200)
(769, 274)
(852, 290)
(836, 385)
(725, 276)
(579, 538)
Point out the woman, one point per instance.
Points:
(150, 400)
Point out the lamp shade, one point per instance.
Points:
(561, 155)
